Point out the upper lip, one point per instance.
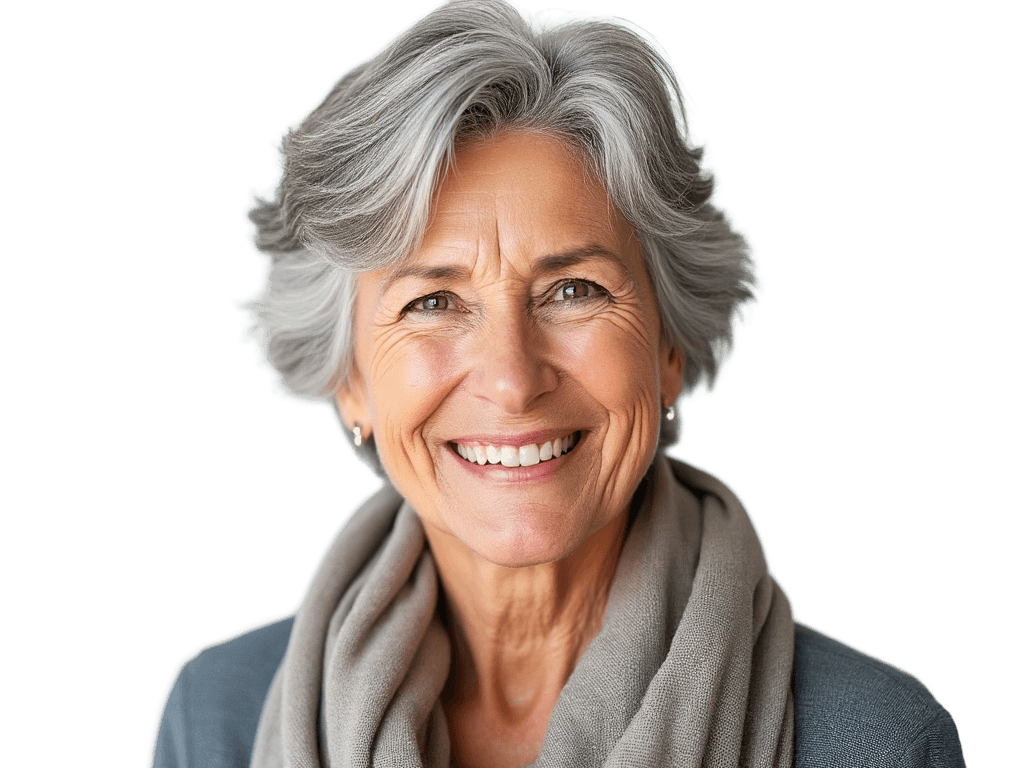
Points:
(517, 439)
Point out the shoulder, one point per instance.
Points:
(852, 710)
(214, 708)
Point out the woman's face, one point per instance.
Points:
(524, 325)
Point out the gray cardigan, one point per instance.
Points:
(850, 709)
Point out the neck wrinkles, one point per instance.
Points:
(518, 632)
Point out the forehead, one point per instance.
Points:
(518, 203)
(520, 193)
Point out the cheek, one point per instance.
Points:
(411, 377)
(614, 363)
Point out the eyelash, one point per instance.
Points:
(596, 292)
(411, 306)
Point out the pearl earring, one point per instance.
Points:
(357, 435)
(670, 413)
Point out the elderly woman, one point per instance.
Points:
(494, 251)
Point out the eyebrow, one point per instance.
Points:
(552, 262)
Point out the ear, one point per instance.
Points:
(673, 365)
(353, 404)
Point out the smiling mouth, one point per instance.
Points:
(516, 456)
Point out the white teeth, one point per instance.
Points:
(511, 456)
(529, 455)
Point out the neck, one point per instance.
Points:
(517, 635)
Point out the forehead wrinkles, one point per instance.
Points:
(519, 194)
(494, 236)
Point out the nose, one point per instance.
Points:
(509, 368)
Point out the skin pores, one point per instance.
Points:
(525, 316)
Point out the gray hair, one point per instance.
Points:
(360, 171)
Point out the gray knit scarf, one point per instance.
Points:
(691, 667)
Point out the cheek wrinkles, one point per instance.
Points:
(618, 339)
(628, 466)
(426, 371)
(635, 327)
(387, 349)
(412, 374)
(401, 348)
(411, 451)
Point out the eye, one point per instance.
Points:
(433, 303)
(575, 290)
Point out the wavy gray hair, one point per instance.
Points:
(359, 173)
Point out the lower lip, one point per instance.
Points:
(499, 473)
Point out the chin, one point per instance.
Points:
(523, 541)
